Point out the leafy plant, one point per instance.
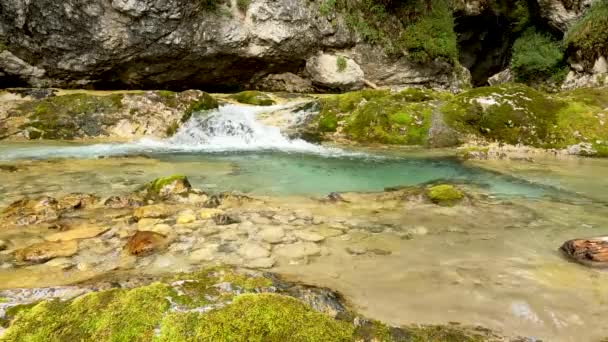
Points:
(536, 56)
(243, 5)
(327, 7)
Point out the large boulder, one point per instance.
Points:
(335, 72)
(561, 13)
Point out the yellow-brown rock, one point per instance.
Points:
(590, 252)
(145, 242)
(44, 251)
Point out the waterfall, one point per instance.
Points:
(235, 128)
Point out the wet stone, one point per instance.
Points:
(208, 213)
(261, 263)
(589, 252)
(186, 217)
(78, 233)
(297, 250)
(251, 250)
(145, 242)
(225, 219)
(309, 236)
(152, 211)
(272, 234)
(44, 251)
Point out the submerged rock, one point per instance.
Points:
(173, 185)
(29, 211)
(44, 251)
(225, 219)
(77, 233)
(144, 243)
(153, 211)
(589, 252)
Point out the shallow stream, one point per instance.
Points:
(494, 263)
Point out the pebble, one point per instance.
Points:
(309, 236)
(261, 263)
(206, 253)
(252, 250)
(297, 250)
(272, 234)
(186, 217)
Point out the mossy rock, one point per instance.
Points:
(253, 97)
(517, 114)
(170, 185)
(444, 194)
(377, 116)
(62, 117)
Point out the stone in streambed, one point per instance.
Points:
(272, 234)
(78, 233)
(225, 219)
(444, 194)
(153, 211)
(29, 211)
(76, 201)
(186, 217)
(251, 250)
(44, 251)
(297, 250)
(589, 252)
(261, 263)
(309, 236)
(145, 242)
(208, 213)
(169, 186)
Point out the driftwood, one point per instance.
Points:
(590, 252)
(370, 84)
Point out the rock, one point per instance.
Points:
(225, 219)
(600, 66)
(504, 76)
(308, 236)
(356, 250)
(153, 211)
(76, 201)
(78, 233)
(163, 229)
(589, 252)
(581, 149)
(260, 263)
(251, 250)
(145, 242)
(208, 213)
(334, 72)
(29, 211)
(335, 197)
(63, 263)
(444, 194)
(206, 253)
(418, 231)
(3, 245)
(297, 250)
(44, 251)
(186, 217)
(562, 13)
(146, 223)
(118, 202)
(287, 82)
(253, 97)
(165, 187)
(272, 234)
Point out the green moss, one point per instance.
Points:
(432, 35)
(373, 331)
(172, 129)
(341, 63)
(472, 152)
(440, 333)
(536, 57)
(114, 315)
(510, 113)
(156, 185)
(243, 5)
(256, 317)
(601, 149)
(206, 102)
(589, 35)
(245, 282)
(253, 97)
(63, 117)
(444, 194)
(327, 7)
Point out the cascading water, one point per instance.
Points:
(235, 128)
(230, 128)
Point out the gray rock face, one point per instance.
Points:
(335, 72)
(561, 13)
(183, 44)
(501, 77)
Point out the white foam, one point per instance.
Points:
(230, 128)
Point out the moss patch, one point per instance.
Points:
(156, 185)
(206, 102)
(261, 317)
(253, 97)
(377, 116)
(537, 57)
(444, 194)
(114, 315)
(63, 117)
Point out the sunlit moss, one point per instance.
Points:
(444, 194)
(256, 317)
(252, 97)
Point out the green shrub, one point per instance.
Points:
(536, 56)
(327, 7)
(432, 35)
(589, 35)
(341, 63)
